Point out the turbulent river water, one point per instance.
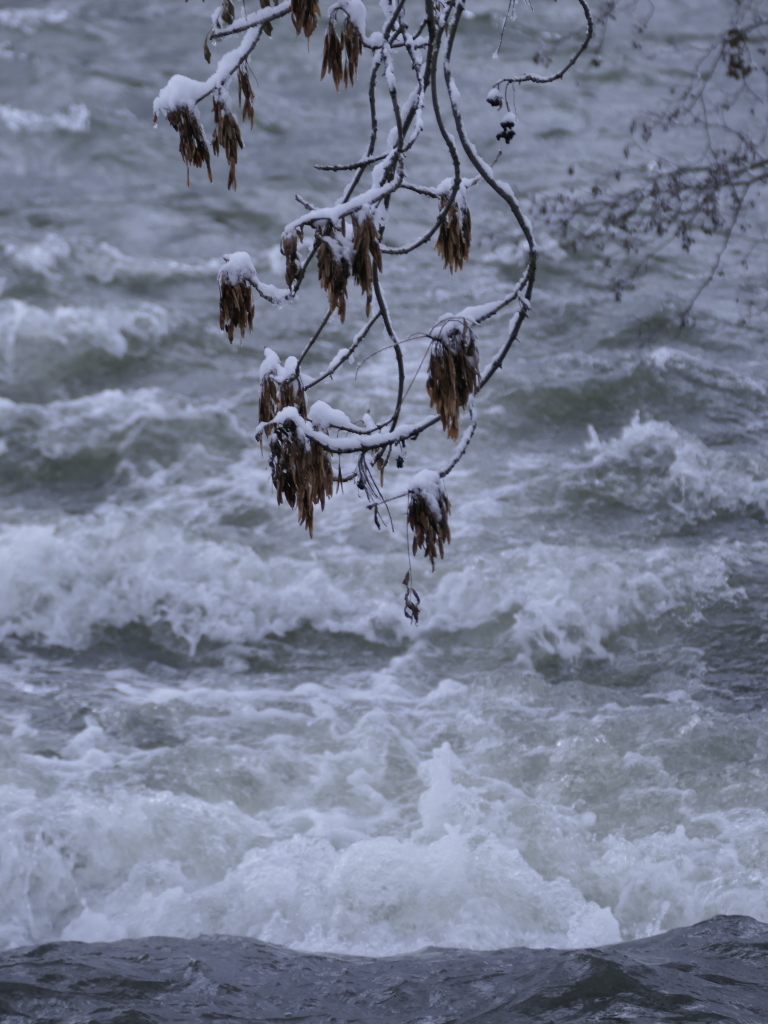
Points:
(213, 725)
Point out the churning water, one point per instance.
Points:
(213, 724)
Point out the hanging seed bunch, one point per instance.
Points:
(365, 241)
(245, 95)
(266, 28)
(301, 471)
(453, 373)
(280, 389)
(304, 15)
(341, 54)
(226, 135)
(192, 144)
(235, 308)
(428, 511)
(289, 245)
(454, 236)
(333, 268)
(226, 13)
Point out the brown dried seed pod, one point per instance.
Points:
(289, 248)
(267, 26)
(453, 374)
(333, 270)
(332, 57)
(365, 241)
(353, 47)
(301, 471)
(245, 94)
(341, 54)
(275, 396)
(227, 15)
(304, 15)
(235, 307)
(428, 518)
(454, 237)
(227, 135)
(192, 144)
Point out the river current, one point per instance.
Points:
(212, 724)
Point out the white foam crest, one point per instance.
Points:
(106, 263)
(115, 566)
(653, 464)
(568, 600)
(42, 257)
(30, 18)
(76, 118)
(29, 335)
(80, 866)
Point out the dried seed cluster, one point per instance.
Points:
(289, 245)
(453, 373)
(245, 95)
(304, 15)
(430, 526)
(276, 395)
(235, 307)
(333, 270)
(365, 241)
(341, 54)
(226, 135)
(192, 144)
(266, 28)
(454, 236)
(301, 471)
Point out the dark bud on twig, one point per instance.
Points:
(453, 373)
(304, 15)
(428, 511)
(365, 241)
(245, 93)
(735, 54)
(454, 236)
(333, 270)
(301, 471)
(494, 98)
(508, 125)
(192, 144)
(226, 135)
(412, 600)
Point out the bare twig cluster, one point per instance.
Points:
(655, 198)
(347, 240)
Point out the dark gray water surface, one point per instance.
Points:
(714, 971)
